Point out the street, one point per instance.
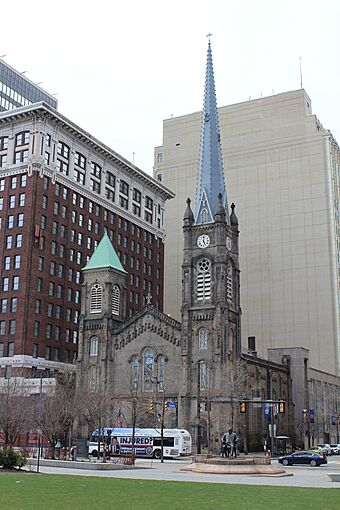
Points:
(303, 476)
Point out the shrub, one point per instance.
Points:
(10, 459)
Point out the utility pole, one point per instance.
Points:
(162, 426)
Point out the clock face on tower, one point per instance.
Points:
(203, 241)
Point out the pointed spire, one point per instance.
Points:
(104, 256)
(233, 217)
(210, 179)
(188, 217)
(220, 211)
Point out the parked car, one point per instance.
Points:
(326, 448)
(303, 457)
(321, 448)
(335, 448)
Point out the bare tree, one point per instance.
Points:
(55, 413)
(235, 386)
(15, 410)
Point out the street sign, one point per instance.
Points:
(255, 404)
(270, 430)
(172, 405)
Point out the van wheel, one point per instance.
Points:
(157, 454)
(94, 453)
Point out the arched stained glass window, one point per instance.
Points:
(203, 339)
(148, 369)
(204, 375)
(94, 344)
(96, 298)
(115, 300)
(203, 279)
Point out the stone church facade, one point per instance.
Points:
(197, 364)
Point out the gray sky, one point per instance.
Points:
(121, 67)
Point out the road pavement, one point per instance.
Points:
(303, 476)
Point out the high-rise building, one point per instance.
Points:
(282, 169)
(16, 90)
(60, 190)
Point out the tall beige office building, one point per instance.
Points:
(282, 171)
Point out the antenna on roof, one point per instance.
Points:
(300, 73)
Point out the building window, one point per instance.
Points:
(203, 279)
(15, 283)
(17, 260)
(22, 198)
(80, 160)
(14, 304)
(96, 298)
(19, 240)
(2, 328)
(148, 369)
(161, 372)
(5, 284)
(148, 209)
(94, 186)
(35, 351)
(110, 179)
(115, 300)
(135, 372)
(22, 138)
(94, 345)
(4, 305)
(7, 264)
(96, 170)
(203, 375)
(11, 329)
(10, 349)
(63, 150)
(229, 283)
(203, 339)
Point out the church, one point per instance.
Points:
(192, 374)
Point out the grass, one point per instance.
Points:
(28, 491)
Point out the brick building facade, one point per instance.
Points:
(60, 190)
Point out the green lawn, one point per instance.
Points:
(26, 491)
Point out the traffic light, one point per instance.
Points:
(243, 407)
(165, 405)
(282, 407)
(150, 406)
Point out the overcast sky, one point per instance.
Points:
(121, 67)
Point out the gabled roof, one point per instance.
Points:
(104, 256)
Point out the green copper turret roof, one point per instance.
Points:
(104, 256)
(210, 178)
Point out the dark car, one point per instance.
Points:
(303, 457)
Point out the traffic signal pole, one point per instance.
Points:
(162, 426)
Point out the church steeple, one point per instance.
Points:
(210, 179)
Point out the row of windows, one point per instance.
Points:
(12, 94)
(12, 201)
(9, 305)
(21, 155)
(53, 354)
(14, 182)
(10, 329)
(10, 283)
